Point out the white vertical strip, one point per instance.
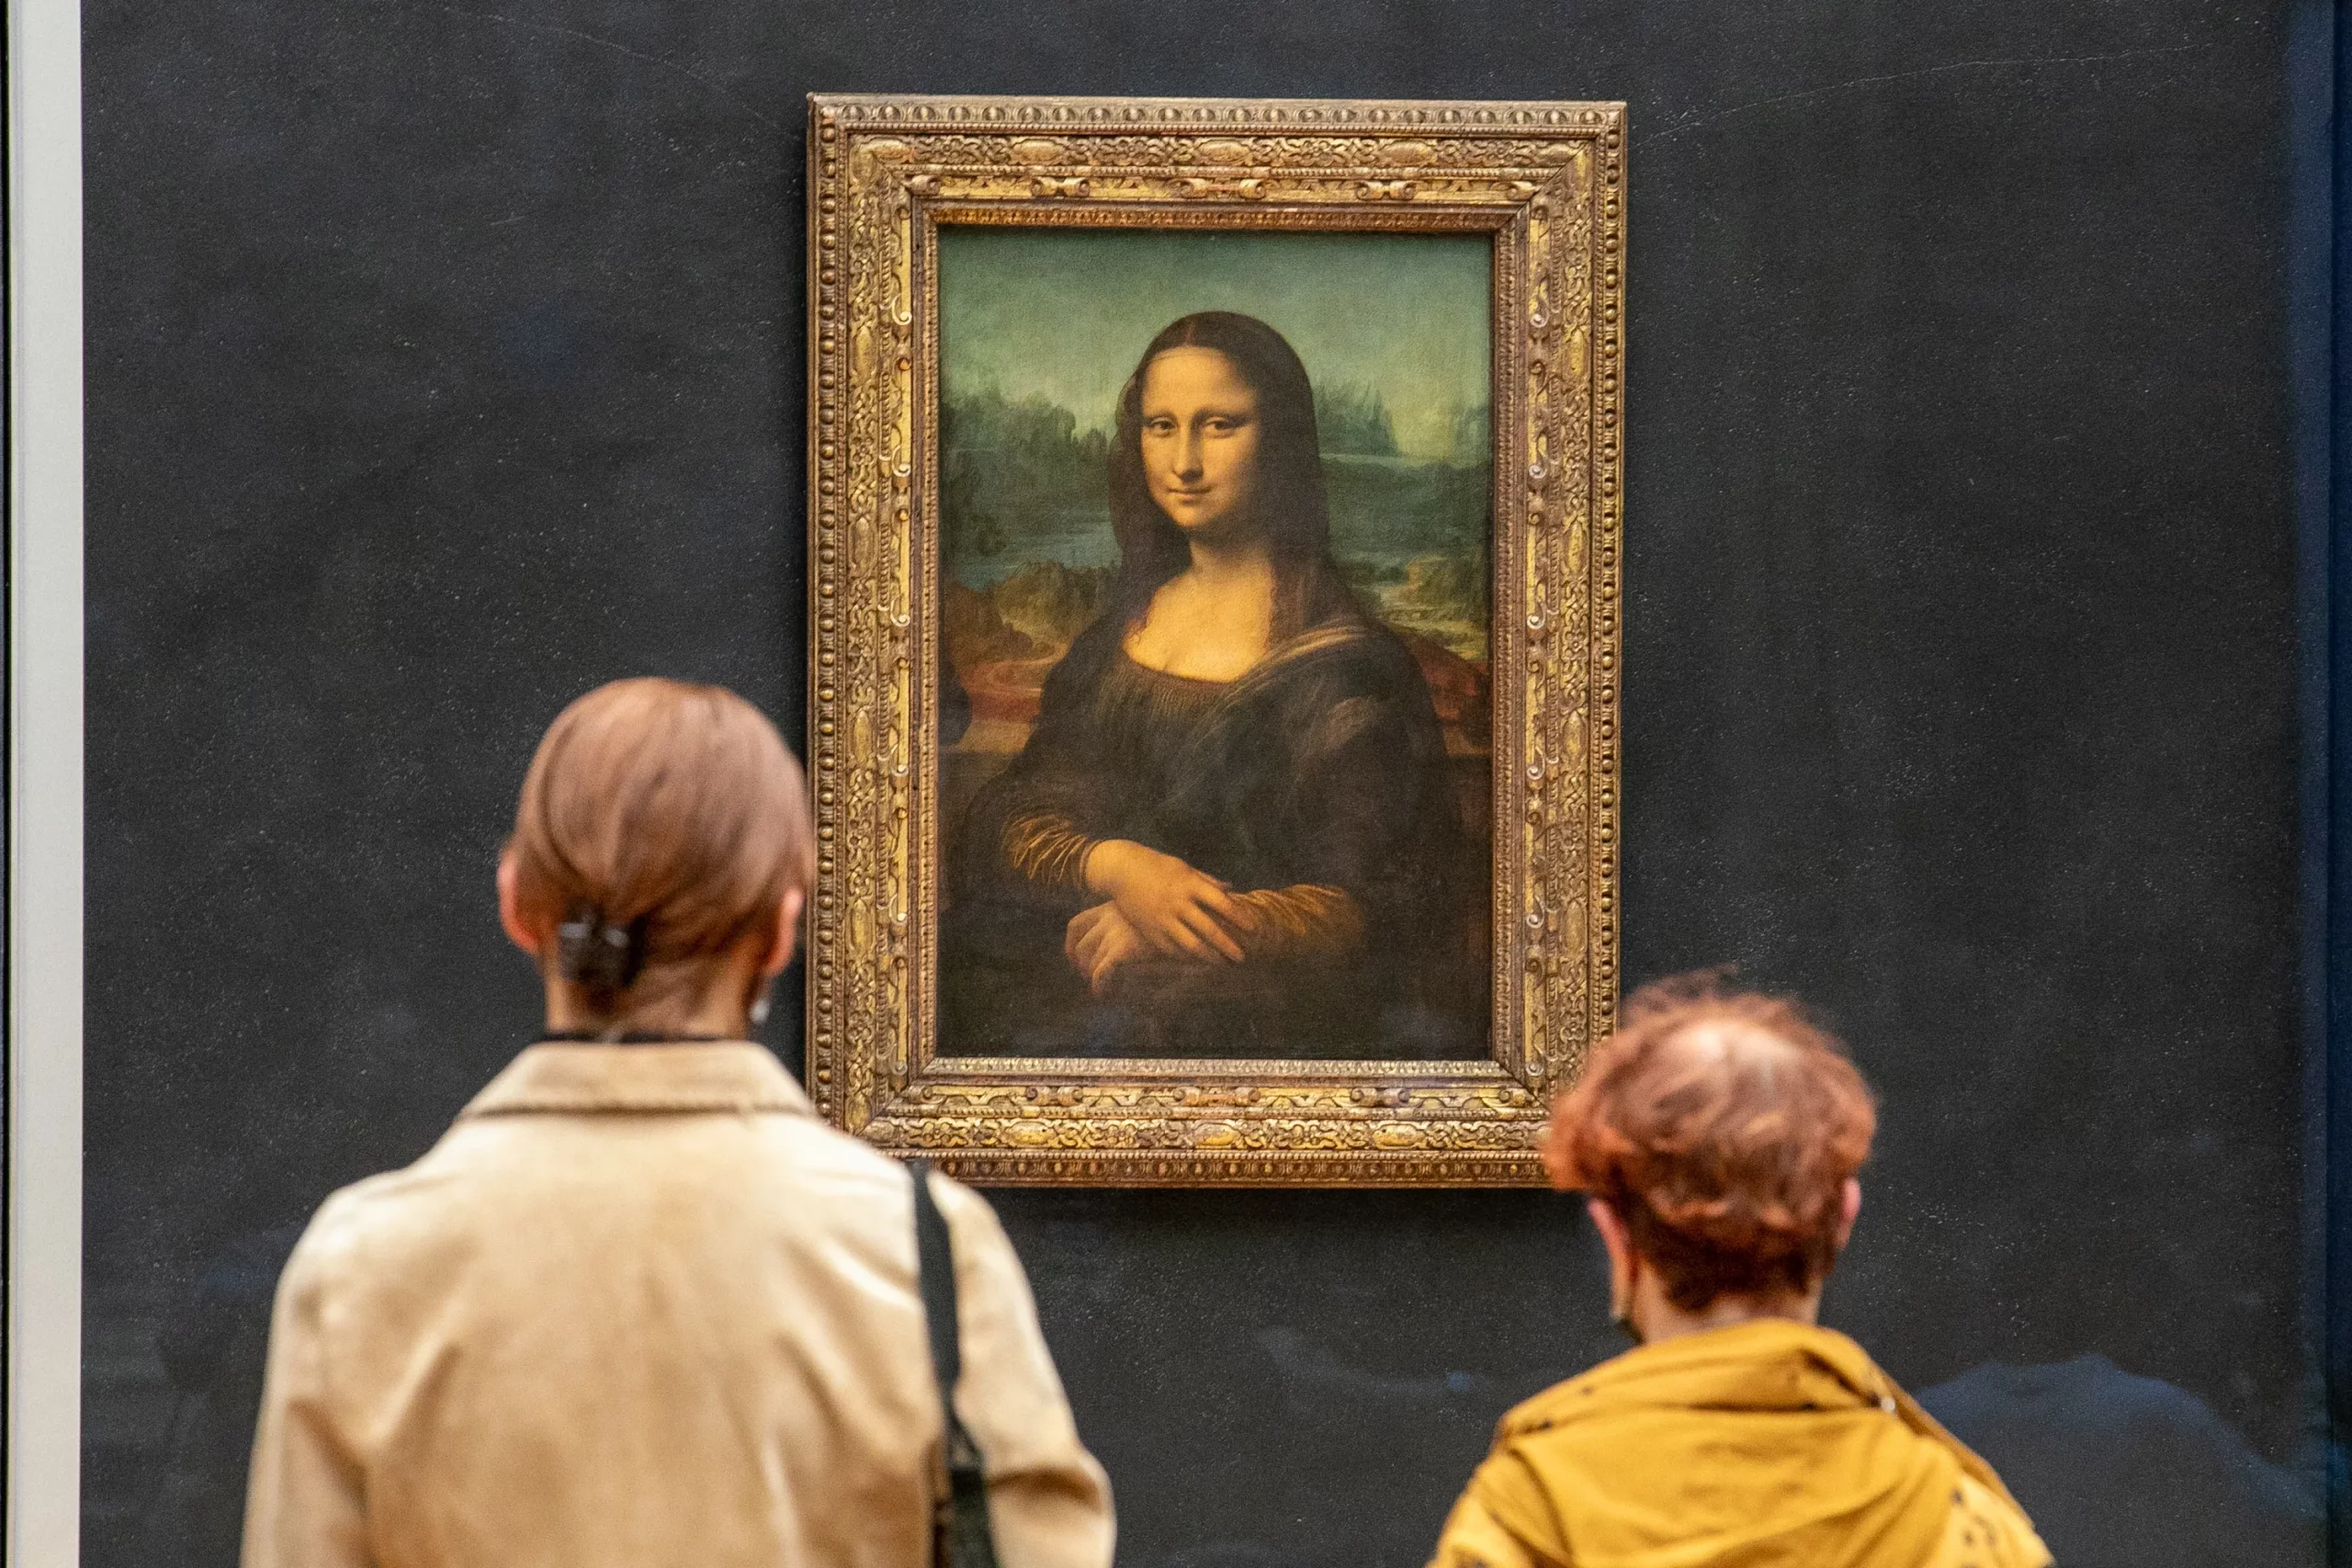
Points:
(44, 1024)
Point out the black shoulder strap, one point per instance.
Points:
(962, 1539)
(936, 1265)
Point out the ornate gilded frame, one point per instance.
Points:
(1547, 181)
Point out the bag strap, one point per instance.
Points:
(962, 1537)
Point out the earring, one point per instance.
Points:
(759, 1009)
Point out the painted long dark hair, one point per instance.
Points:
(1289, 502)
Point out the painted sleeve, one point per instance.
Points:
(1302, 921)
(1374, 809)
(1047, 847)
(1029, 828)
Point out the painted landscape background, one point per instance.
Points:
(1039, 329)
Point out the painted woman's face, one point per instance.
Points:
(1200, 440)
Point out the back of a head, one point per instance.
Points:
(669, 821)
(1722, 1127)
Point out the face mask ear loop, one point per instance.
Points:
(1620, 1314)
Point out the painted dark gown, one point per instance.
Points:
(1317, 786)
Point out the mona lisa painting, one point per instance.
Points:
(1222, 815)
(1183, 819)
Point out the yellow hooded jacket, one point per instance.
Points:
(1769, 1444)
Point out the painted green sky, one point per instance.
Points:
(1063, 313)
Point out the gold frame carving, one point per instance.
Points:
(1547, 180)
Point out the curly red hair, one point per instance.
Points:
(1722, 1126)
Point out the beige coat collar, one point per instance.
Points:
(729, 1076)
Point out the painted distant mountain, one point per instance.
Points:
(1353, 419)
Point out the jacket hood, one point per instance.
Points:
(1771, 1444)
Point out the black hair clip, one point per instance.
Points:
(592, 952)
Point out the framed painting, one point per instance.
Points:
(1213, 534)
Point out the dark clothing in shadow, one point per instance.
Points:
(214, 1349)
(1324, 766)
(2124, 1472)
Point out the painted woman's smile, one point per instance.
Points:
(1200, 440)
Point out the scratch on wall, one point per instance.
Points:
(715, 88)
(1692, 122)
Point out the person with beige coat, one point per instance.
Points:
(639, 1306)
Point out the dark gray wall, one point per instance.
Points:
(445, 360)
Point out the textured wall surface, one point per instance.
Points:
(445, 360)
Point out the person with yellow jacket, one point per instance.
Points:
(640, 1305)
(1717, 1137)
